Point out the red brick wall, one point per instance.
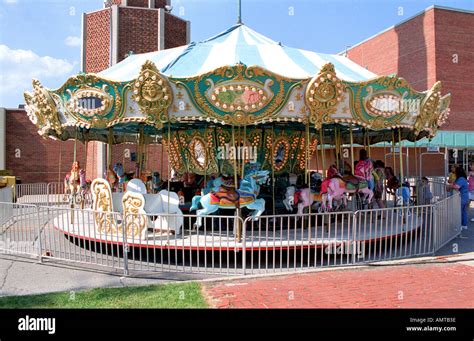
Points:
(153, 154)
(421, 50)
(42, 160)
(455, 35)
(138, 31)
(98, 40)
(175, 31)
(407, 51)
(137, 3)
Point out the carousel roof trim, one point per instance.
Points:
(238, 44)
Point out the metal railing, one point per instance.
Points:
(49, 194)
(274, 243)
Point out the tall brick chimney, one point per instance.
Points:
(120, 28)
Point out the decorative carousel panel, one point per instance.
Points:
(175, 151)
(91, 102)
(153, 94)
(285, 151)
(42, 109)
(323, 93)
(383, 103)
(434, 111)
(238, 95)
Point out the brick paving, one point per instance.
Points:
(449, 285)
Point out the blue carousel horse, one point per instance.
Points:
(218, 194)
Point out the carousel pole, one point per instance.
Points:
(273, 171)
(169, 169)
(351, 136)
(308, 166)
(237, 206)
(336, 146)
(393, 153)
(109, 148)
(368, 142)
(400, 154)
(59, 162)
(75, 147)
(86, 143)
(416, 158)
(323, 166)
(71, 203)
(243, 149)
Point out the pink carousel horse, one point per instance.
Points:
(338, 188)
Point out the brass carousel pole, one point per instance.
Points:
(109, 148)
(368, 142)
(273, 170)
(337, 146)
(169, 169)
(416, 158)
(308, 170)
(237, 205)
(393, 153)
(352, 147)
(321, 137)
(400, 154)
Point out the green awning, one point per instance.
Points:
(444, 138)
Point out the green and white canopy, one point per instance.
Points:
(237, 78)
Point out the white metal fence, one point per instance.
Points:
(137, 243)
(48, 194)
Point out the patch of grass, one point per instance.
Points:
(182, 295)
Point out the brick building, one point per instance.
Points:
(109, 35)
(437, 44)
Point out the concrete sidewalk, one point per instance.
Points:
(23, 276)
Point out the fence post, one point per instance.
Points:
(434, 212)
(38, 228)
(125, 245)
(47, 194)
(354, 239)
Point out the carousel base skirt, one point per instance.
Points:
(258, 237)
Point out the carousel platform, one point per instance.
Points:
(266, 235)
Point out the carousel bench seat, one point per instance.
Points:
(163, 215)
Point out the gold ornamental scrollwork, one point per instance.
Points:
(135, 218)
(103, 207)
(430, 110)
(153, 94)
(322, 95)
(42, 109)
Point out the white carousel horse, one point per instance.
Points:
(303, 197)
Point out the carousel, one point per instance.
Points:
(254, 120)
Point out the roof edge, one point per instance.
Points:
(406, 20)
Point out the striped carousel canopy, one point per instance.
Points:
(237, 44)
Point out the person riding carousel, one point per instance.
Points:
(364, 168)
(331, 173)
